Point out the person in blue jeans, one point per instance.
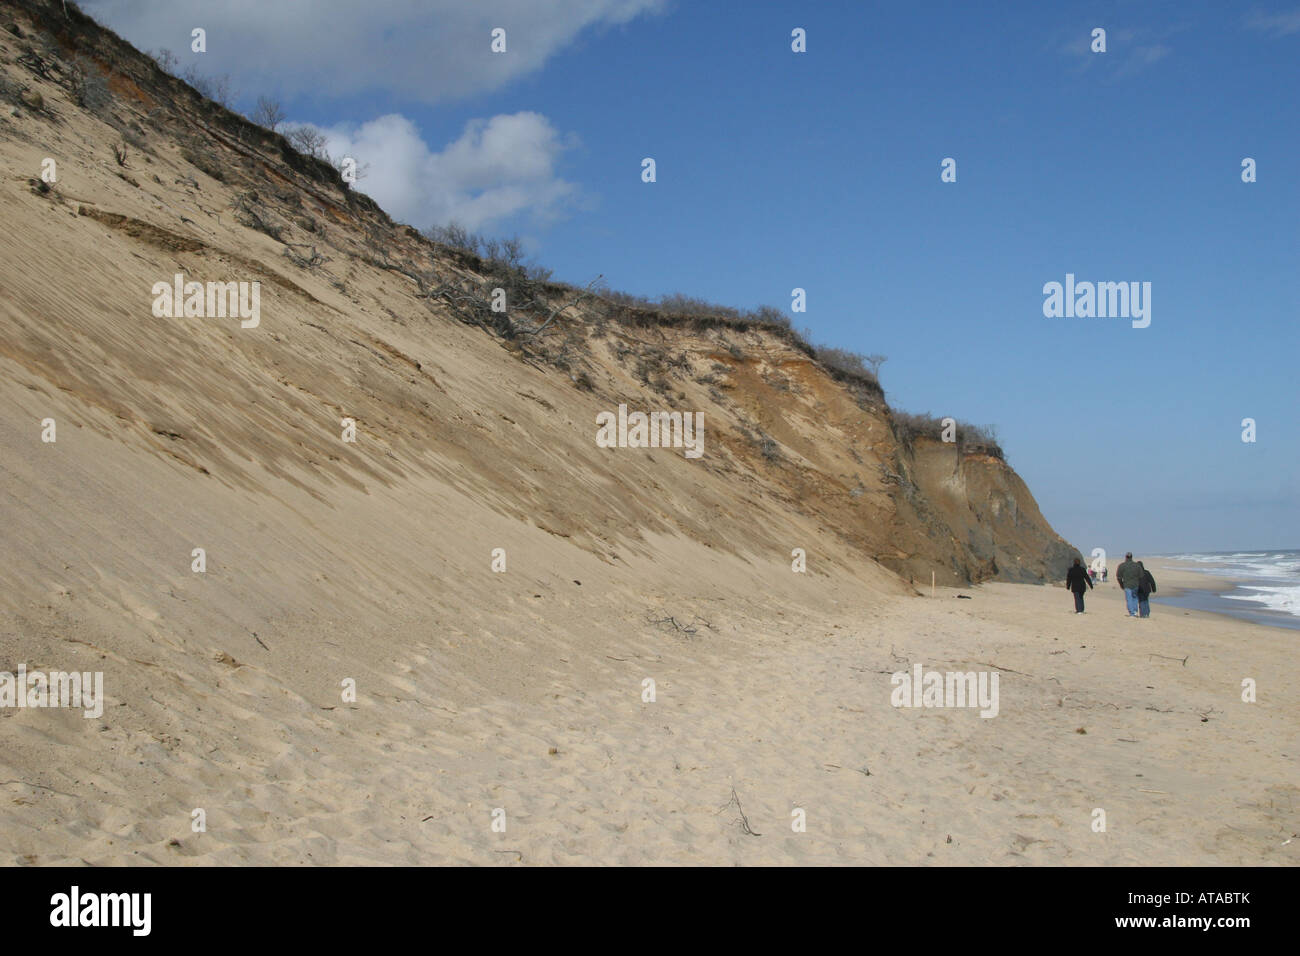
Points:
(1146, 588)
(1129, 577)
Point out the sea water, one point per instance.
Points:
(1267, 584)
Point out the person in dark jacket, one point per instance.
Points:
(1146, 588)
(1077, 580)
(1128, 576)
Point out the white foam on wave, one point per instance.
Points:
(1278, 599)
(1273, 576)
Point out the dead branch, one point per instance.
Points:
(996, 667)
(744, 820)
(249, 217)
(34, 62)
(556, 312)
(684, 628)
(307, 262)
(1181, 660)
(41, 786)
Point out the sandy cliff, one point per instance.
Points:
(362, 318)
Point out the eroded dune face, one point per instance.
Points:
(375, 481)
(359, 319)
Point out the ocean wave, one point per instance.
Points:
(1277, 599)
(1269, 578)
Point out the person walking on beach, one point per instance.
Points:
(1128, 576)
(1097, 567)
(1078, 581)
(1146, 588)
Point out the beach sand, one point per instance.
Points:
(525, 693)
(522, 691)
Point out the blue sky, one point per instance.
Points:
(821, 170)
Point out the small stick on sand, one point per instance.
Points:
(744, 820)
(996, 667)
(684, 628)
(1181, 660)
(41, 786)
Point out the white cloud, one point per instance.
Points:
(425, 50)
(1278, 24)
(1124, 55)
(498, 168)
